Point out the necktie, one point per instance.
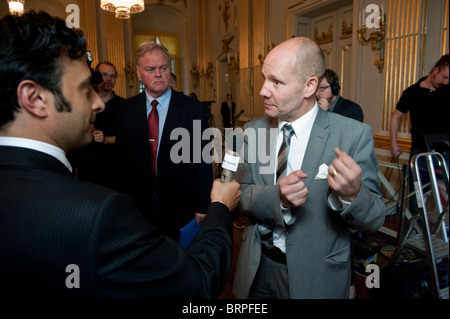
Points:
(266, 231)
(153, 133)
(288, 131)
(283, 153)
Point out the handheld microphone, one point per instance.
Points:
(230, 163)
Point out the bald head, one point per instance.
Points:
(307, 57)
(292, 72)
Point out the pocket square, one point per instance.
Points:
(323, 172)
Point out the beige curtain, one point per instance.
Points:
(169, 40)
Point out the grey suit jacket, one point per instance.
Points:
(318, 243)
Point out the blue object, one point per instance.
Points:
(188, 232)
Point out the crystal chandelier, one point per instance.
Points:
(16, 6)
(123, 8)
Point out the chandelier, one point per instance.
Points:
(123, 8)
(16, 6)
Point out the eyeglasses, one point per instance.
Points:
(106, 75)
(323, 88)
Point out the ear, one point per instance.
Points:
(33, 98)
(311, 87)
(138, 72)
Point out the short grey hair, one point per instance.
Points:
(147, 47)
(310, 60)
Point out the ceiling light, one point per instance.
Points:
(123, 8)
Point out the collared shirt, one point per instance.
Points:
(49, 149)
(302, 128)
(162, 107)
(333, 104)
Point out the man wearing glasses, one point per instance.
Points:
(328, 98)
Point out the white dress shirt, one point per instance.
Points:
(302, 128)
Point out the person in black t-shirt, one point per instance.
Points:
(426, 101)
(94, 163)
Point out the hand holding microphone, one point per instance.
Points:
(227, 193)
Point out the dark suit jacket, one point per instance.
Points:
(49, 220)
(349, 109)
(183, 188)
(225, 111)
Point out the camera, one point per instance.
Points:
(96, 77)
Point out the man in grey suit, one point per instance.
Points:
(297, 243)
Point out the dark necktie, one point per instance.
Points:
(153, 133)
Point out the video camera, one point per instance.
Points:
(97, 77)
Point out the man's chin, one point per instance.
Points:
(270, 113)
(83, 142)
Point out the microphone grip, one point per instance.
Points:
(227, 176)
(229, 166)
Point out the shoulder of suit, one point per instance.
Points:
(337, 119)
(348, 102)
(133, 99)
(262, 122)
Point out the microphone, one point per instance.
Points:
(230, 162)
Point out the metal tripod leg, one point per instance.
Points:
(428, 241)
(433, 245)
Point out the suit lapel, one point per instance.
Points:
(271, 145)
(141, 111)
(316, 144)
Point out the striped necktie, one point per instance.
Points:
(266, 231)
(283, 153)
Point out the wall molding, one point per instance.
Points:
(384, 142)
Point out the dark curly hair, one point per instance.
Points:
(30, 49)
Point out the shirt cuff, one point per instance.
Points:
(344, 203)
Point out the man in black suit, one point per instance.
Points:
(329, 99)
(65, 238)
(180, 190)
(227, 110)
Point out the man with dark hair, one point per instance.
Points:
(426, 101)
(329, 99)
(65, 238)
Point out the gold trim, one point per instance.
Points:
(384, 142)
(323, 38)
